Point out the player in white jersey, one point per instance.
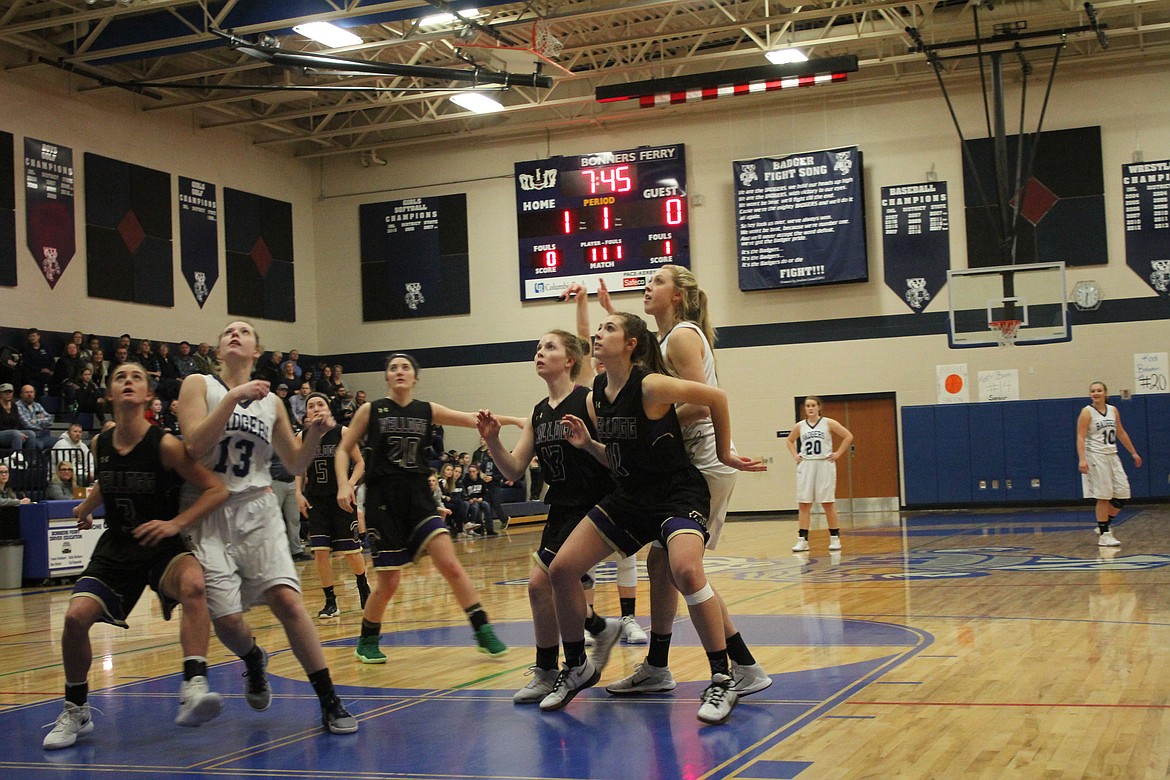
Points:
(811, 445)
(233, 424)
(686, 338)
(1099, 429)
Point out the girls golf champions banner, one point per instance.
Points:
(198, 241)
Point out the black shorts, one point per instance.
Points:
(561, 522)
(121, 568)
(401, 519)
(629, 519)
(331, 527)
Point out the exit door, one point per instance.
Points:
(867, 476)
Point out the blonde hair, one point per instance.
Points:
(575, 347)
(692, 305)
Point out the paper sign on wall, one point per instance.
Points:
(1150, 373)
(1000, 385)
(951, 382)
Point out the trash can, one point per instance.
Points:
(11, 563)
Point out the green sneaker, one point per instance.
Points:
(367, 651)
(488, 642)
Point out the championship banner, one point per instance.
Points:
(800, 220)
(414, 259)
(916, 241)
(129, 249)
(7, 211)
(48, 206)
(1146, 188)
(198, 240)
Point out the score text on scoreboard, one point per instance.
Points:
(607, 215)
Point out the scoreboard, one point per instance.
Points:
(607, 215)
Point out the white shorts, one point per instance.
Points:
(1106, 478)
(720, 485)
(243, 549)
(816, 482)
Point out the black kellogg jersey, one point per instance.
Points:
(320, 477)
(136, 487)
(398, 436)
(574, 477)
(639, 449)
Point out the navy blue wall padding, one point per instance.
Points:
(952, 453)
(1156, 459)
(918, 460)
(1021, 451)
(1057, 421)
(988, 469)
(1135, 421)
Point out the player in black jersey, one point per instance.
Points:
(401, 516)
(140, 469)
(331, 530)
(576, 482)
(660, 495)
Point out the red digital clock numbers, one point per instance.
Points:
(608, 180)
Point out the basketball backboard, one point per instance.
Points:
(1033, 294)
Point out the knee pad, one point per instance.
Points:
(698, 597)
(627, 572)
(1117, 503)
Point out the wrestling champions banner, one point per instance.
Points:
(916, 241)
(1146, 188)
(198, 240)
(48, 198)
(7, 211)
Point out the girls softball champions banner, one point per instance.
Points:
(198, 241)
(916, 241)
(7, 211)
(1147, 222)
(48, 206)
(800, 220)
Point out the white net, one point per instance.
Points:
(544, 42)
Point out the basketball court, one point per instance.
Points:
(943, 643)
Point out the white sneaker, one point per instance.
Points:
(73, 722)
(1107, 539)
(645, 679)
(542, 684)
(834, 542)
(632, 633)
(801, 545)
(569, 683)
(746, 680)
(603, 643)
(197, 703)
(588, 639)
(718, 700)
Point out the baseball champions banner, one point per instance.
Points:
(198, 237)
(1147, 222)
(916, 241)
(48, 198)
(800, 220)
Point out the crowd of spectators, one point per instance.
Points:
(42, 386)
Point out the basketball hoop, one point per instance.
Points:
(1005, 331)
(544, 42)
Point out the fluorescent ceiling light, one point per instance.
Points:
(436, 19)
(786, 56)
(477, 102)
(327, 34)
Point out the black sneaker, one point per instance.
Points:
(329, 611)
(337, 719)
(256, 690)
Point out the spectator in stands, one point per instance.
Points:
(184, 361)
(205, 362)
(9, 364)
(326, 384)
(284, 488)
(344, 407)
(294, 358)
(97, 367)
(169, 380)
(11, 435)
(92, 344)
(149, 360)
(155, 415)
(121, 355)
(65, 373)
(90, 397)
(62, 484)
(36, 362)
(433, 484)
(288, 374)
(78, 338)
(296, 405)
(8, 496)
(124, 341)
(479, 507)
(269, 370)
(451, 493)
(338, 379)
(70, 446)
(34, 420)
(482, 458)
